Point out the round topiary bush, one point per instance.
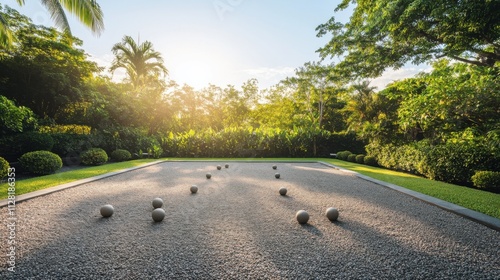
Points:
(351, 158)
(40, 162)
(360, 159)
(4, 167)
(94, 156)
(488, 180)
(121, 155)
(369, 160)
(343, 155)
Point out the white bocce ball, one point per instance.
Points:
(157, 202)
(283, 191)
(158, 214)
(302, 217)
(332, 214)
(209, 175)
(107, 210)
(194, 189)
(277, 175)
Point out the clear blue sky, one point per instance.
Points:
(211, 41)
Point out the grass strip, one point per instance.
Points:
(482, 201)
(47, 181)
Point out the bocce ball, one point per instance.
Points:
(283, 191)
(302, 217)
(107, 210)
(227, 165)
(277, 175)
(158, 214)
(219, 167)
(209, 175)
(332, 214)
(194, 189)
(275, 167)
(157, 202)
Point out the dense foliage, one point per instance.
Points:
(94, 156)
(40, 162)
(121, 155)
(4, 168)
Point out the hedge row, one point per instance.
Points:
(241, 142)
(360, 158)
(454, 162)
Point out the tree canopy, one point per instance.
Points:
(390, 33)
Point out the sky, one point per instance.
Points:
(217, 42)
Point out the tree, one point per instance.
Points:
(87, 11)
(45, 71)
(142, 63)
(390, 33)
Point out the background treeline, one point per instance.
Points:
(443, 124)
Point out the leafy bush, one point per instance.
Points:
(41, 162)
(343, 155)
(121, 155)
(351, 157)
(66, 144)
(33, 141)
(360, 159)
(369, 160)
(4, 167)
(489, 180)
(94, 156)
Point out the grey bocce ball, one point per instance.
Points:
(302, 217)
(157, 202)
(277, 175)
(194, 189)
(158, 214)
(209, 175)
(107, 210)
(219, 167)
(283, 191)
(332, 214)
(227, 165)
(275, 167)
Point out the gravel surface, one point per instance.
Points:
(238, 227)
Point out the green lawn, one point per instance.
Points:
(481, 201)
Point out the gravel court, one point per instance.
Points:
(238, 227)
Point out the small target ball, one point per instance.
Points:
(158, 214)
(302, 217)
(219, 167)
(275, 167)
(277, 175)
(227, 165)
(107, 210)
(283, 191)
(332, 214)
(194, 189)
(157, 202)
(209, 175)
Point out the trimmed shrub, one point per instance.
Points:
(360, 159)
(351, 158)
(488, 180)
(121, 155)
(94, 156)
(4, 167)
(369, 160)
(41, 162)
(343, 155)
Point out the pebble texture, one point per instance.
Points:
(238, 228)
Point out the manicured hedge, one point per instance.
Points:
(4, 167)
(489, 180)
(94, 156)
(121, 155)
(41, 162)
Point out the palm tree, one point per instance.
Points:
(141, 62)
(87, 11)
